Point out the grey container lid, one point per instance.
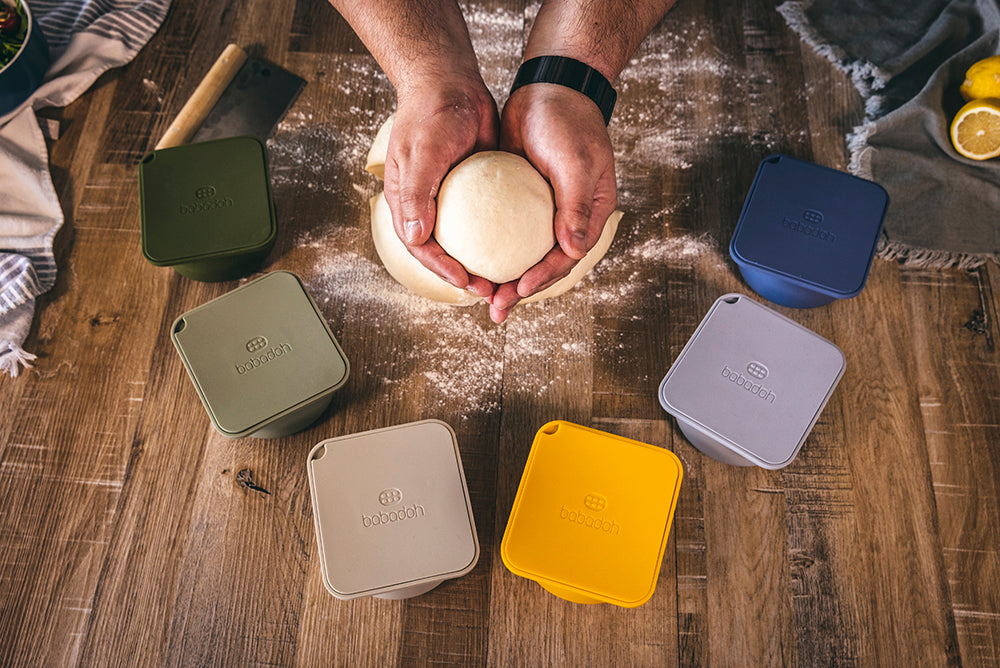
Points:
(750, 383)
(261, 356)
(392, 511)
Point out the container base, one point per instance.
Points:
(782, 291)
(215, 270)
(409, 592)
(569, 594)
(293, 422)
(708, 446)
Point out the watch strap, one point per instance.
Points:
(572, 74)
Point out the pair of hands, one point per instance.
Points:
(559, 130)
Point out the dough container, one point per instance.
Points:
(807, 233)
(592, 515)
(261, 357)
(750, 384)
(392, 511)
(206, 208)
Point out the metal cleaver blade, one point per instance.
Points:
(253, 103)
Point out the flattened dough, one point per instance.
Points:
(380, 149)
(405, 268)
(414, 276)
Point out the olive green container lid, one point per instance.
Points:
(262, 358)
(206, 208)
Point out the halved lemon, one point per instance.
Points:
(975, 132)
(982, 79)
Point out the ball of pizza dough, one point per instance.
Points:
(494, 215)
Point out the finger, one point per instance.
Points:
(498, 315)
(554, 266)
(480, 287)
(574, 213)
(505, 297)
(431, 255)
(583, 204)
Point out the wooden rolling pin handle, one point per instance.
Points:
(194, 111)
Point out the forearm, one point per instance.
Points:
(600, 33)
(414, 41)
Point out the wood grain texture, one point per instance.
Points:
(134, 534)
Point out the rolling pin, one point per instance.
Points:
(204, 97)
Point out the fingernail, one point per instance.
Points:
(580, 241)
(412, 230)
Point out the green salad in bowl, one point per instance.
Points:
(24, 54)
(13, 29)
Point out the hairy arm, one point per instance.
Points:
(603, 34)
(562, 132)
(412, 40)
(444, 112)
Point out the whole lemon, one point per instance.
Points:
(982, 80)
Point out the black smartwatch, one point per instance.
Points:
(572, 74)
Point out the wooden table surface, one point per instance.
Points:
(130, 534)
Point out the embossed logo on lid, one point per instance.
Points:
(595, 502)
(757, 370)
(812, 216)
(256, 343)
(390, 496)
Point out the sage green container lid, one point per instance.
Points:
(392, 511)
(261, 357)
(206, 208)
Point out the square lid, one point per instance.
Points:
(391, 509)
(753, 380)
(203, 200)
(259, 352)
(592, 515)
(815, 226)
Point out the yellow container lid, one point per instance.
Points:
(592, 515)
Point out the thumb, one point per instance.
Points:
(412, 204)
(574, 209)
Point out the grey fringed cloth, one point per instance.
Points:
(86, 38)
(907, 60)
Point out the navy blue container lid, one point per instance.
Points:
(809, 227)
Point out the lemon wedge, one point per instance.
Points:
(982, 79)
(975, 132)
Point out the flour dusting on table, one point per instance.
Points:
(465, 362)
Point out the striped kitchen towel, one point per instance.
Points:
(86, 38)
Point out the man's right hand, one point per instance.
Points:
(438, 124)
(444, 113)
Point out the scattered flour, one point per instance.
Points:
(672, 249)
(498, 36)
(153, 89)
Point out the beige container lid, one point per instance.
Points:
(392, 511)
